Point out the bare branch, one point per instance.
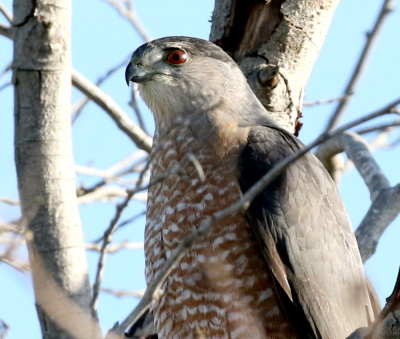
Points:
(11, 241)
(78, 107)
(122, 293)
(357, 151)
(134, 104)
(9, 201)
(6, 13)
(21, 266)
(135, 133)
(123, 224)
(323, 102)
(387, 7)
(107, 238)
(6, 31)
(115, 173)
(108, 193)
(385, 199)
(384, 209)
(380, 127)
(387, 324)
(15, 226)
(7, 84)
(133, 160)
(153, 289)
(5, 70)
(129, 14)
(115, 247)
(3, 329)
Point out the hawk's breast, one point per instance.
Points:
(220, 288)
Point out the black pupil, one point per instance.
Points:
(176, 56)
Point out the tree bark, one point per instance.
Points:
(46, 179)
(275, 43)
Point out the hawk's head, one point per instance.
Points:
(178, 76)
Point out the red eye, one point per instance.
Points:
(177, 56)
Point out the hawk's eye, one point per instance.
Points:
(177, 56)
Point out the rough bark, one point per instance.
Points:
(46, 179)
(276, 44)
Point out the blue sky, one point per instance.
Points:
(100, 40)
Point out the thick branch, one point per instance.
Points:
(384, 209)
(357, 151)
(276, 44)
(385, 199)
(387, 324)
(6, 31)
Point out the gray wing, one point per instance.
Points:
(305, 235)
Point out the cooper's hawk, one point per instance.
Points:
(287, 267)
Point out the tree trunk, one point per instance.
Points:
(275, 43)
(45, 168)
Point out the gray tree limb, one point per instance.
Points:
(134, 132)
(45, 168)
(357, 151)
(385, 205)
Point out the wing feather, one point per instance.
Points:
(305, 236)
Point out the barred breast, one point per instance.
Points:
(220, 288)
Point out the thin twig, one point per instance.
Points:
(387, 7)
(107, 238)
(324, 102)
(9, 201)
(129, 14)
(5, 70)
(134, 104)
(7, 84)
(135, 133)
(108, 193)
(20, 266)
(123, 224)
(4, 327)
(122, 293)
(379, 128)
(6, 13)
(112, 174)
(93, 246)
(78, 107)
(153, 289)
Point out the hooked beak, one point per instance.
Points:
(134, 74)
